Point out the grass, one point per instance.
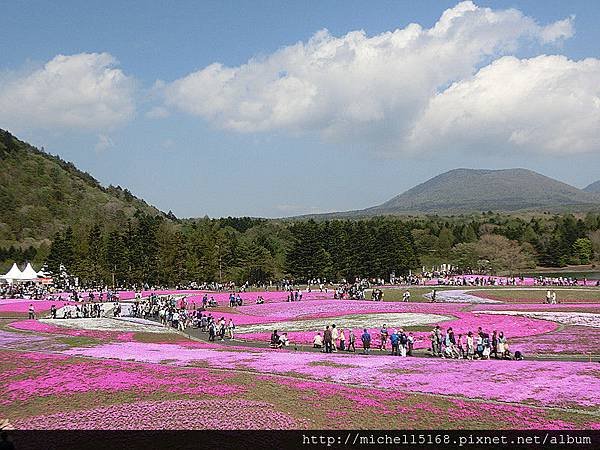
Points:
(330, 364)
(78, 341)
(416, 293)
(562, 295)
(152, 338)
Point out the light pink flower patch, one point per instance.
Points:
(249, 298)
(50, 376)
(542, 382)
(232, 414)
(39, 327)
(22, 306)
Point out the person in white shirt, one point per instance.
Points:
(318, 341)
(231, 328)
(335, 335)
(283, 340)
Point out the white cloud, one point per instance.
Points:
(83, 91)
(104, 143)
(562, 29)
(355, 86)
(158, 112)
(546, 104)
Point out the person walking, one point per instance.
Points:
(352, 342)
(411, 344)
(342, 340)
(231, 328)
(327, 339)
(394, 339)
(212, 331)
(366, 341)
(402, 342)
(502, 345)
(470, 345)
(494, 350)
(383, 336)
(335, 335)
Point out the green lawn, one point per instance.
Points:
(416, 293)
(565, 295)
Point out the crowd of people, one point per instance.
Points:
(30, 291)
(294, 296)
(172, 311)
(352, 291)
(564, 281)
(401, 343)
(480, 281)
(469, 345)
(334, 339)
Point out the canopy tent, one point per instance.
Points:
(29, 274)
(14, 274)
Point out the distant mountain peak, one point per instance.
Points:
(472, 190)
(593, 188)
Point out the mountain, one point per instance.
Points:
(468, 190)
(473, 190)
(41, 194)
(594, 188)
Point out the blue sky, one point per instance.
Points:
(301, 129)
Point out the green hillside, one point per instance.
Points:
(41, 194)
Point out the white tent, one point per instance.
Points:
(13, 274)
(29, 274)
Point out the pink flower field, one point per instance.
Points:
(21, 306)
(62, 377)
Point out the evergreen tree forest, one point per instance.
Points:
(160, 250)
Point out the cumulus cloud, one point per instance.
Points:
(83, 91)
(355, 86)
(546, 104)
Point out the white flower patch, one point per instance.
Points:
(359, 321)
(567, 318)
(108, 324)
(459, 296)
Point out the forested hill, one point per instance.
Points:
(41, 194)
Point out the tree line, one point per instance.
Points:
(160, 250)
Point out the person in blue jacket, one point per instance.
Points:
(366, 341)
